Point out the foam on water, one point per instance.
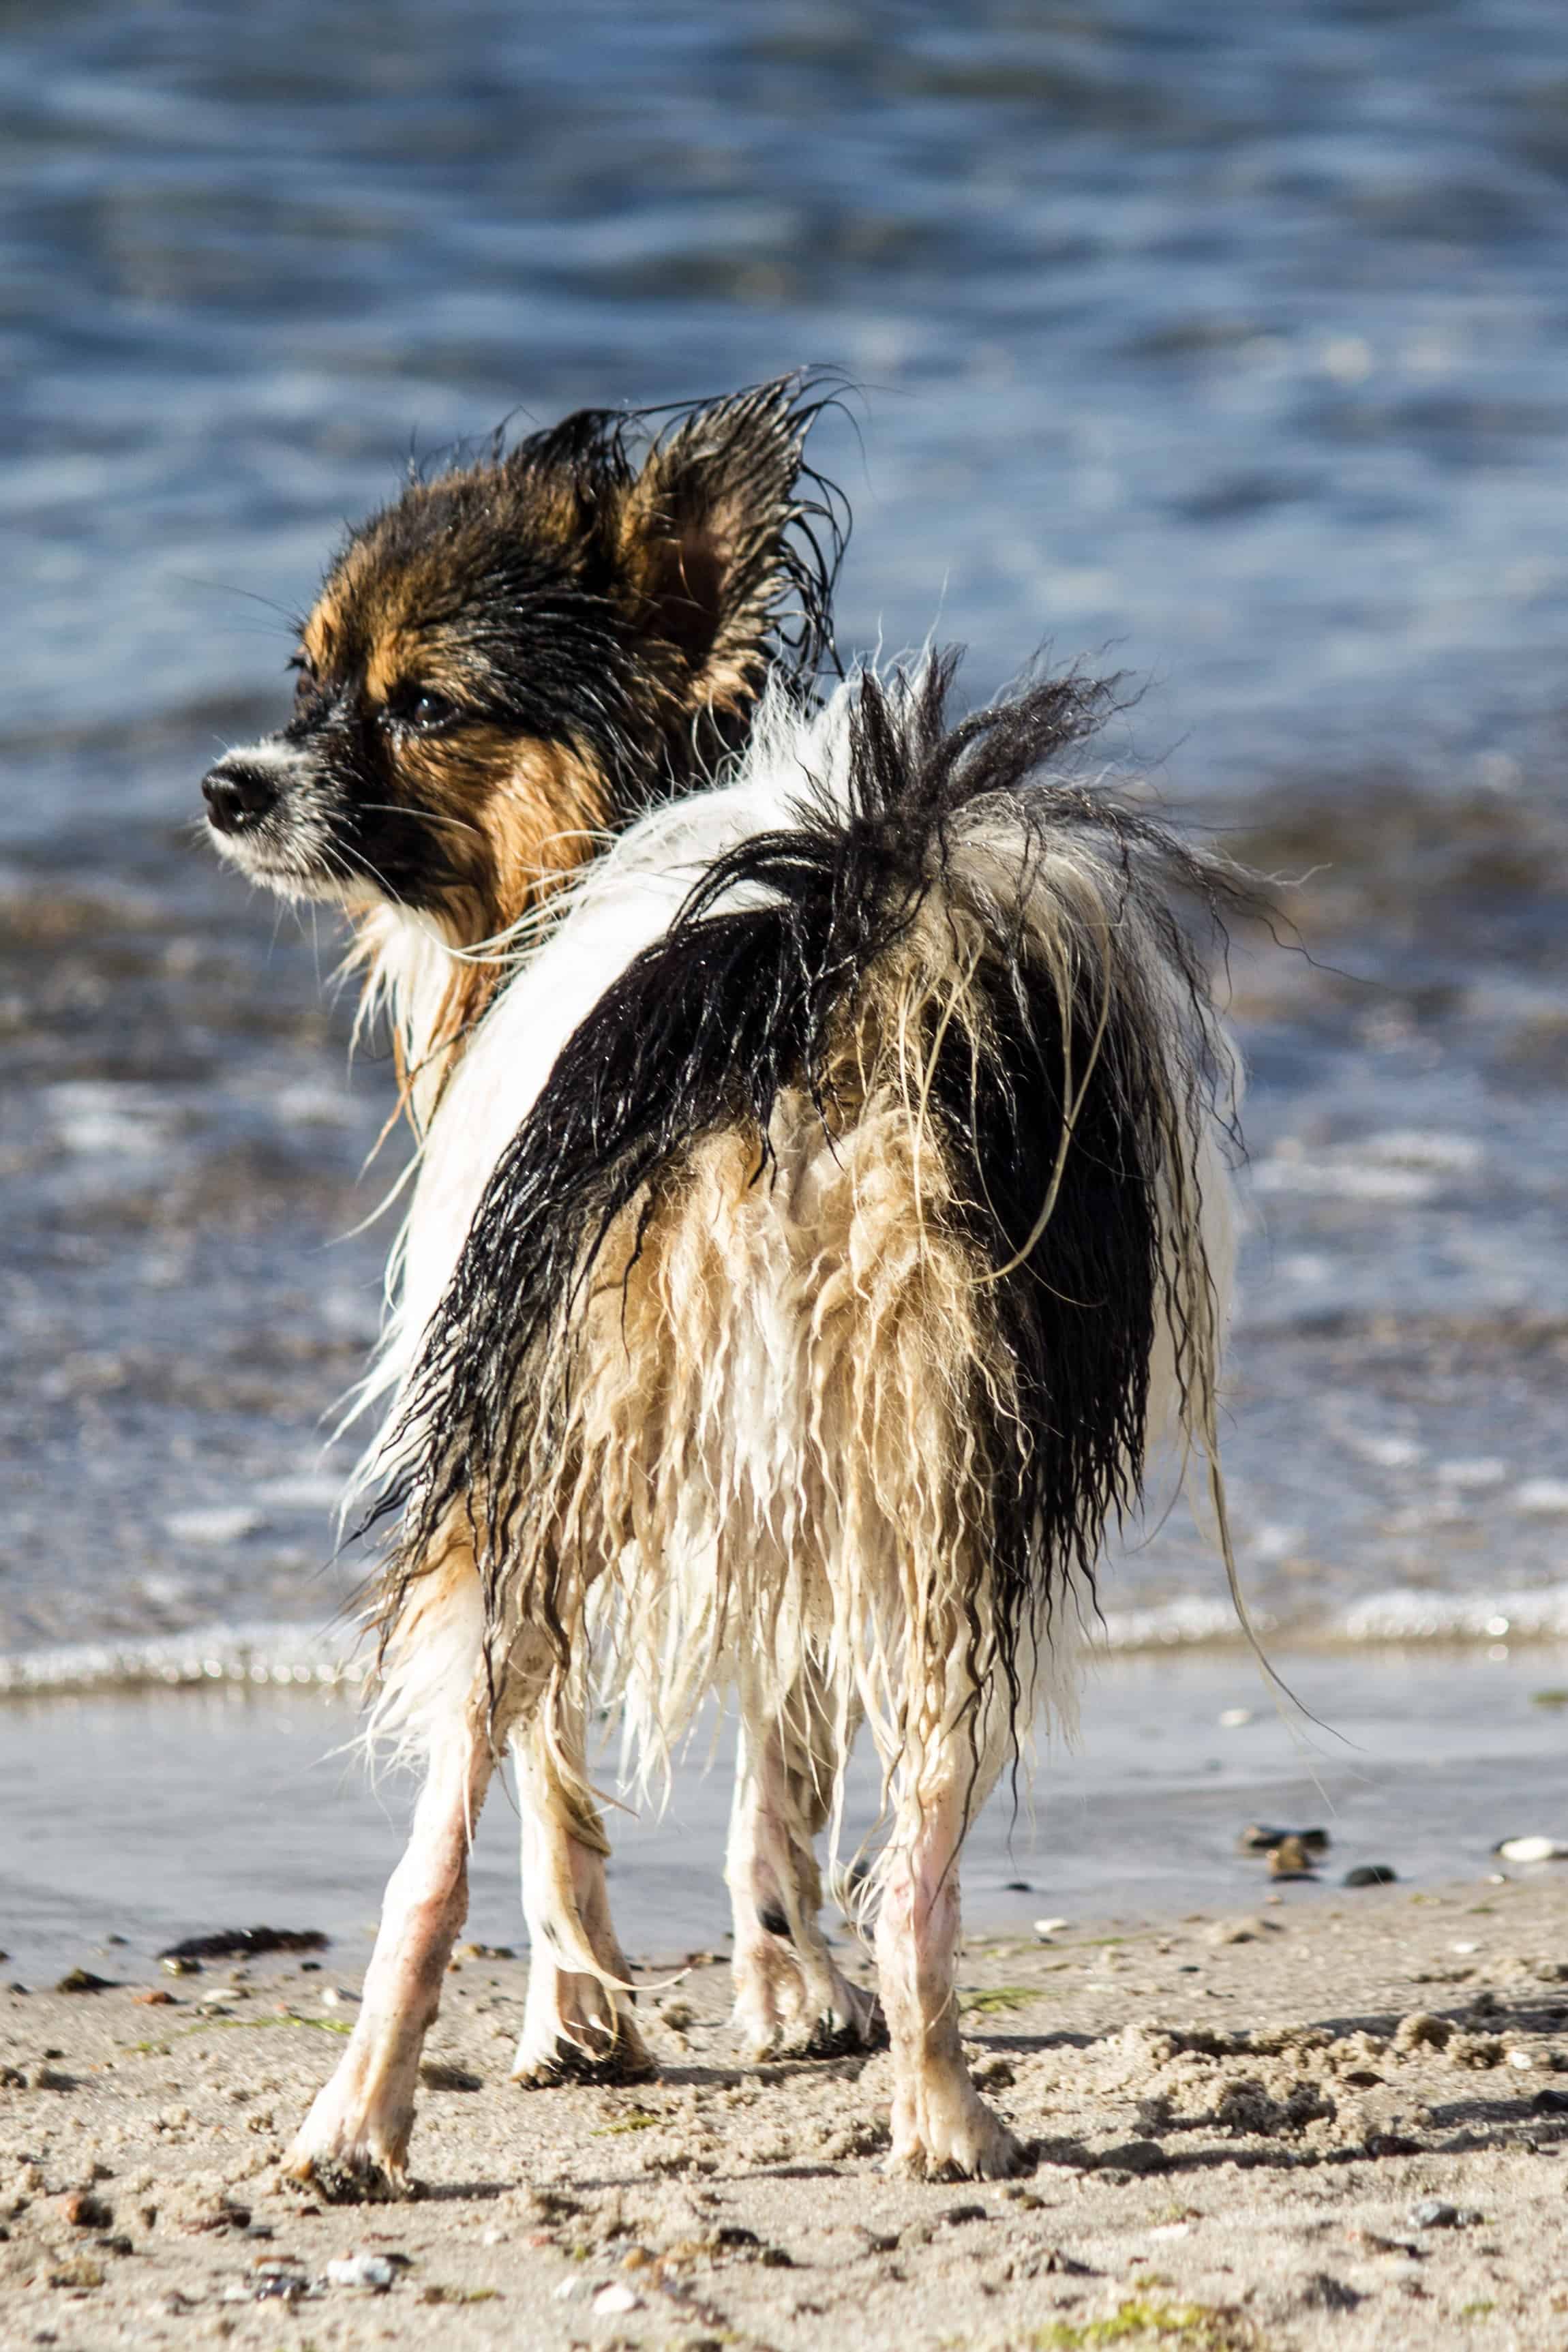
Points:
(284, 1656)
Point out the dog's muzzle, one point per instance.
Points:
(239, 793)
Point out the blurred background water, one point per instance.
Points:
(1224, 347)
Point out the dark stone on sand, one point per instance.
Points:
(1436, 2213)
(1259, 1837)
(83, 1980)
(246, 1943)
(1388, 2143)
(1550, 2103)
(1134, 2156)
(956, 2213)
(1061, 2264)
(86, 2212)
(1070, 2152)
(1322, 2293)
(1016, 1886)
(436, 2076)
(1371, 1873)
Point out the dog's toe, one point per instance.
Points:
(351, 2178)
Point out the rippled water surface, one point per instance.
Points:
(1225, 347)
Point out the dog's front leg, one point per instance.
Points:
(577, 2023)
(353, 2143)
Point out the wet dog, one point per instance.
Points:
(821, 1216)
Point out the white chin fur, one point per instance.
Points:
(259, 864)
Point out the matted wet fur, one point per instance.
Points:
(858, 1239)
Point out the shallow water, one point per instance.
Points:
(157, 1818)
(1226, 349)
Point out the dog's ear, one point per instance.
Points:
(704, 537)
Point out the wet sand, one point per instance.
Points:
(1237, 2121)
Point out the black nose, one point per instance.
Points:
(238, 794)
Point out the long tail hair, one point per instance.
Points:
(978, 991)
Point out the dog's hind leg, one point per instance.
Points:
(790, 1993)
(943, 2129)
(353, 2143)
(577, 2023)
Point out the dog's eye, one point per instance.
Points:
(305, 685)
(419, 709)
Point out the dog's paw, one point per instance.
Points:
(350, 2175)
(625, 2058)
(855, 2023)
(782, 2012)
(954, 2136)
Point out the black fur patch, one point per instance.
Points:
(706, 1027)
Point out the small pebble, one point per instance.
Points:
(1258, 1837)
(154, 1998)
(1046, 1929)
(616, 2298)
(370, 2271)
(1371, 1873)
(437, 2076)
(1434, 2213)
(83, 1980)
(1531, 1849)
(1233, 1931)
(1235, 1719)
(338, 1997)
(566, 2289)
(1550, 2103)
(1291, 1858)
(1324, 2293)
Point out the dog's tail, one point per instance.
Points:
(924, 915)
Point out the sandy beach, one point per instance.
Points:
(1338, 2121)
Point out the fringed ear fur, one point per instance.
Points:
(704, 537)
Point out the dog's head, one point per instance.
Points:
(520, 653)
